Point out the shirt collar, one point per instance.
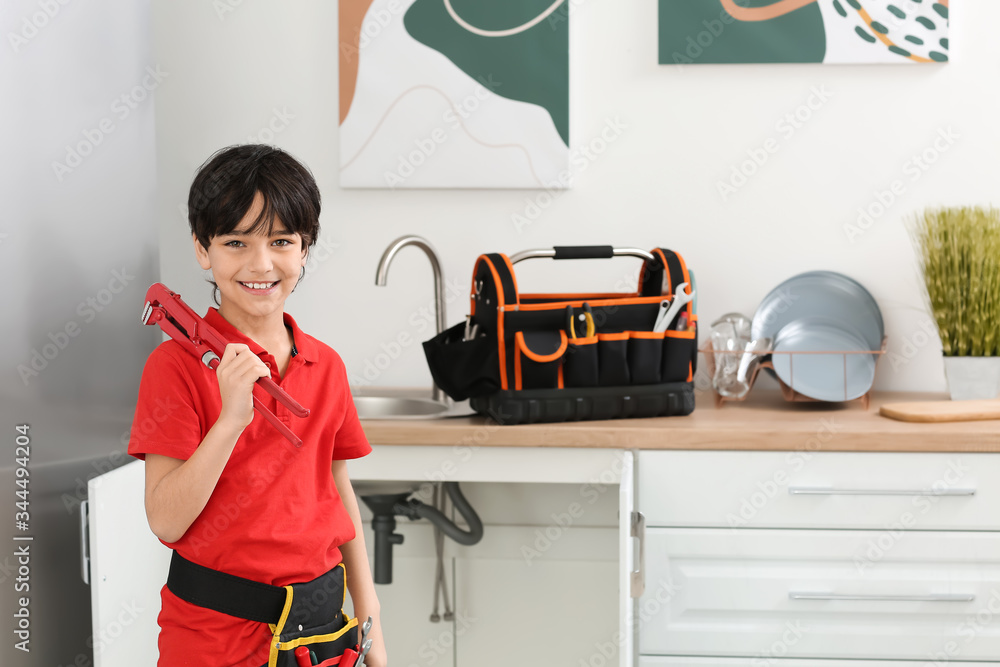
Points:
(303, 344)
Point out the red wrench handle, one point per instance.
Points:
(213, 363)
(271, 387)
(276, 423)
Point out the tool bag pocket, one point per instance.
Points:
(301, 622)
(612, 352)
(680, 355)
(538, 359)
(463, 368)
(645, 355)
(326, 642)
(580, 364)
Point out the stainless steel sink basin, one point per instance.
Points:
(396, 407)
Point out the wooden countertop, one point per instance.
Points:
(763, 422)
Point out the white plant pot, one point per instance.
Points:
(972, 377)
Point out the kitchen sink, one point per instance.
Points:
(398, 407)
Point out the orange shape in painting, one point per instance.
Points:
(767, 13)
(351, 15)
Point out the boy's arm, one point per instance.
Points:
(177, 491)
(359, 576)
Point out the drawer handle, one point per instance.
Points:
(942, 597)
(833, 491)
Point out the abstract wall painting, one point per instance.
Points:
(803, 31)
(454, 93)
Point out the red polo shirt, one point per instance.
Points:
(275, 515)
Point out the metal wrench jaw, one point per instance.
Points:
(365, 647)
(682, 296)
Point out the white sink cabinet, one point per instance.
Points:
(571, 603)
(742, 558)
(819, 559)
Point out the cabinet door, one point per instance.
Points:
(804, 489)
(630, 574)
(128, 567)
(822, 594)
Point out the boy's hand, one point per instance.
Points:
(238, 370)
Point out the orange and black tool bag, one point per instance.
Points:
(526, 358)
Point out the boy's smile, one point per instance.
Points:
(259, 287)
(255, 272)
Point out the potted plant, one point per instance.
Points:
(959, 255)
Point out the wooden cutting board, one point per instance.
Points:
(942, 411)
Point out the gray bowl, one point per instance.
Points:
(825, 377)
(820, 294)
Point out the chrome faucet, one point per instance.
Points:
(382, 273)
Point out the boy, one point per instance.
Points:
(246, 512)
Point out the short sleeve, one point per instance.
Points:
(166, 421)
(350, 441)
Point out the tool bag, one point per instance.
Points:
(308, 614)
(525, 358)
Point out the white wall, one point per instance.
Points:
(687, 128)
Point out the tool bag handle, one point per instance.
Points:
(663, 274)
(662, 269)
(581, 252)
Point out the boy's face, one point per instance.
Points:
(255, 273)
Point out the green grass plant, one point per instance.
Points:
(958, 250)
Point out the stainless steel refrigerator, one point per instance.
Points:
(78, 248)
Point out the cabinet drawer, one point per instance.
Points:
(802, 489)
(821, 594)
(667, 661)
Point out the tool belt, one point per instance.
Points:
(524, 358)
(309, 614)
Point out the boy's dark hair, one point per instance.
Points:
(224, 189)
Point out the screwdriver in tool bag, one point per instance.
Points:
(302, 658)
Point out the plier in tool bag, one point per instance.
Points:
(586, 316)
(198, 337)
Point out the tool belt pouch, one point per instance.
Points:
(524, 358)
(309, 614)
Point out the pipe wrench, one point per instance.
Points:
(198, 337)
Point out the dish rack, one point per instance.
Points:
(787, 392)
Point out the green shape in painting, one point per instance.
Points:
(530, 66)
(864, 35)
(700, 31)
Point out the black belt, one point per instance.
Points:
(226, 593)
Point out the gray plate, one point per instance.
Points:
(826, 377)
(820, 294)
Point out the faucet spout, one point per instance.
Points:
(382, 275)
